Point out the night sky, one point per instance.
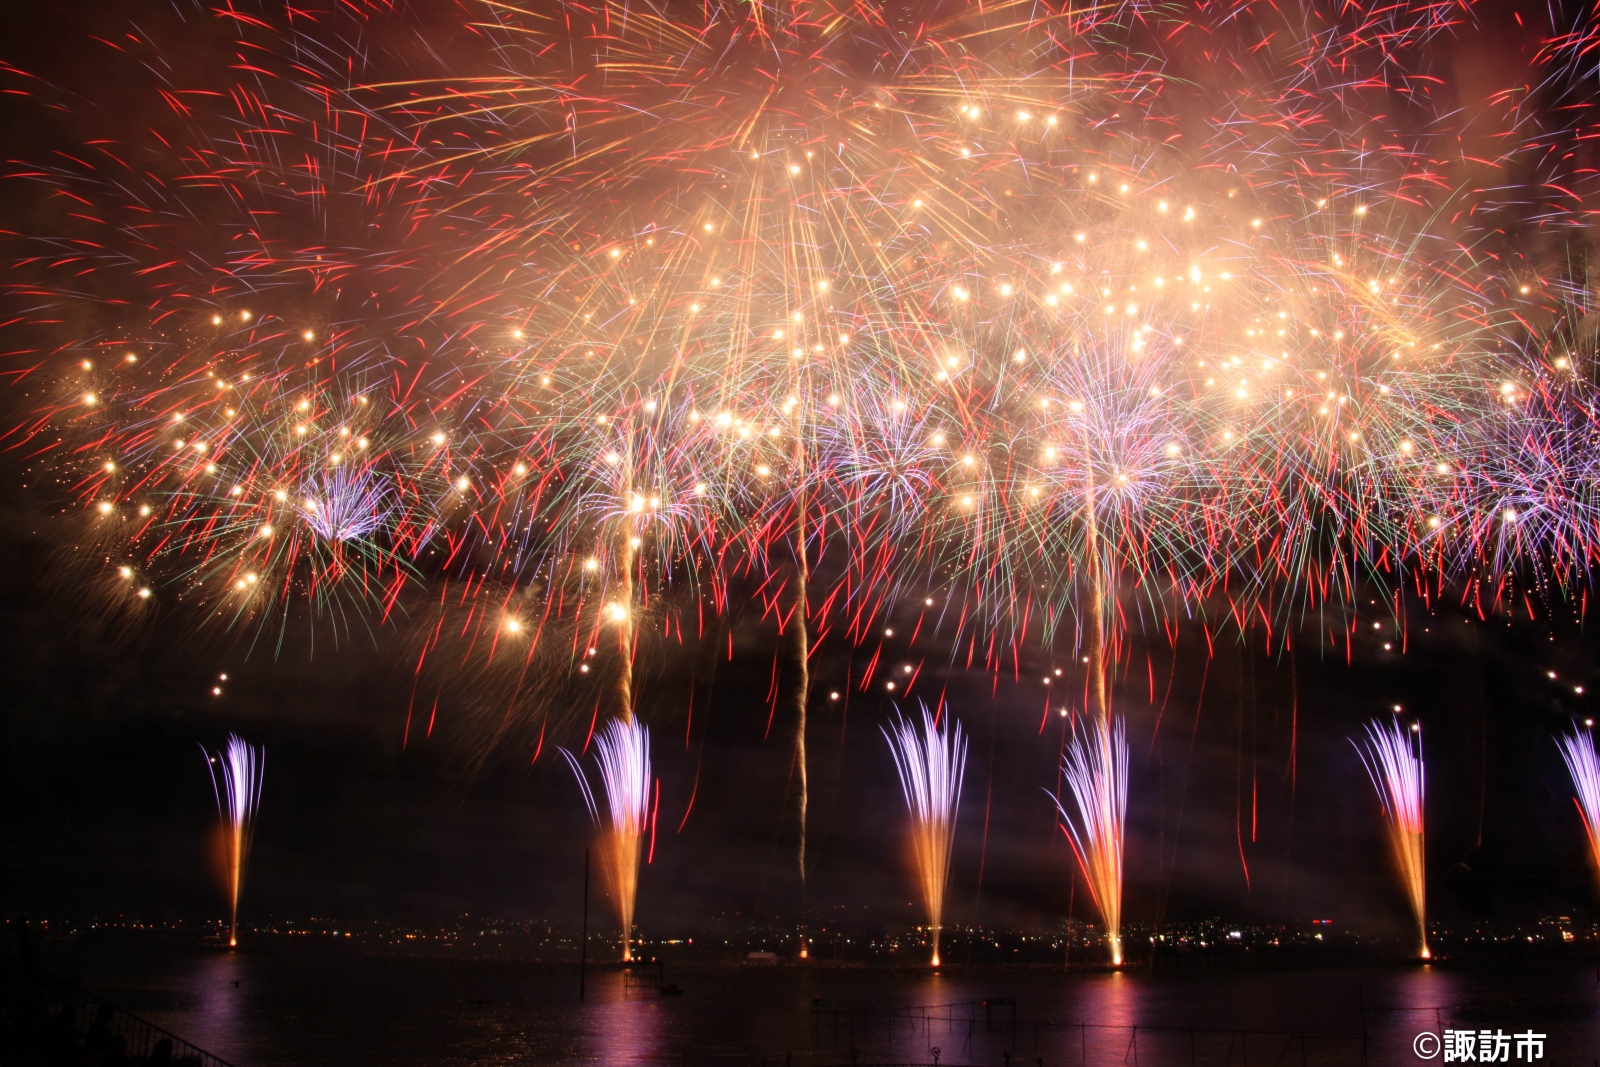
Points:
(108, 805)
(1247, 800)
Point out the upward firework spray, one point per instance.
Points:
(1096, 769)
(1577, 749)
(1393, 758)
(932, 760)
(236, 780)
(622, 753)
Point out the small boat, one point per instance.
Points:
(671, 989)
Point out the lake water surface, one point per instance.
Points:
(281, 1002)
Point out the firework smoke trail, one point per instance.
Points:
(1096, 769)
(802, 637)
(622, 756)
(1578, 752)
(931, 760)
(1104, 779)
(799, 499)
(241, 766)
(1393, 758)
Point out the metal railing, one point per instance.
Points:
(50, 1020)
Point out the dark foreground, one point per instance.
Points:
(282, 1001)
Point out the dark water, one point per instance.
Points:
(288, 1002)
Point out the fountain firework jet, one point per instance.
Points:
(623, 756)
(238, 795)
(1577, 749)
(932, 760)
(1393, 758)
(1096, 769)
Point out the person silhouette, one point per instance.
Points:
(61, 1043)
(97, 1040)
